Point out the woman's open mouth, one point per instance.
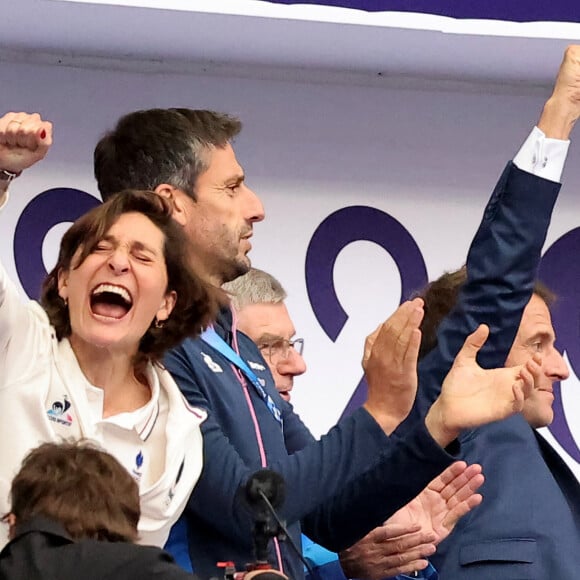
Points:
(111, 301)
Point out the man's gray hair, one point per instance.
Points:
(255, 287)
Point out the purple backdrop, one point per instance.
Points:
(517, 11)
(559, 268)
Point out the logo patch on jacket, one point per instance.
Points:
(138, 468)
(58, 413)
(256, 366)
(212, 365)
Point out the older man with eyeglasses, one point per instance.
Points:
(259, 302)
(258, 299)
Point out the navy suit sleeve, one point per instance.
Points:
(502, 266)
(401, 472)
(354, 462)
(502, 263)
(296, 434)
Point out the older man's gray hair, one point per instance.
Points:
(255, 287)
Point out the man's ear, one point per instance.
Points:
(63, 284)
(177, 199)
(11, 521)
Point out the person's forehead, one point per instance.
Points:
(222, 165)
(266, 318)
(135, 227)
(535, 318)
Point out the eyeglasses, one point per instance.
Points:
(278, 349)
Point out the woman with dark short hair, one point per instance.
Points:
(86, 364)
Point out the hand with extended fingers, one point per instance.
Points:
(401, 545)
(390, 365)
(472, 396)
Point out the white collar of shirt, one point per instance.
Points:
(140, 420)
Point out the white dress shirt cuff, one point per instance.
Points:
(542, 156)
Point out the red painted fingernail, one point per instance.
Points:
(43, 134)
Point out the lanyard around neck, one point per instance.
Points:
(213, 339)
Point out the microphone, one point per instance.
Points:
(262, 488)
(263, 494)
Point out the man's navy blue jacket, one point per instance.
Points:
(528, 525)
(337, 489)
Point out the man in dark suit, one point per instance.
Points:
(529, 523)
